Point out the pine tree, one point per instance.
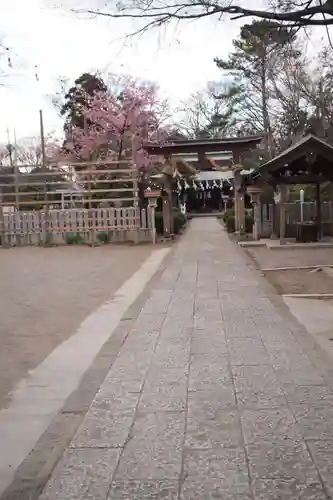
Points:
(257, 54)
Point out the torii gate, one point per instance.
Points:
(202, 147)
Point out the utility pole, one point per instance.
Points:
(14, 167)
(9, 149)
(42, 137)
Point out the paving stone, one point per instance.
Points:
(208, 315)
(211, 304)
(277, 336)
(207, 372)
(257, 387)
(165, 390)
(239, 329)
(220, 398)
(103, 429)
(158, 303)
(215, 331)
(208, 324)
(144, 490)
(322, 455)
(177, 327)
(214, 489)
(247, 351)
(149, 322)
(203, 293)
(288, 355)
(174, 339)
(82, 475)
(280, 458)
(288, 489)
(142, 341)
(182, 312)
(171, 356)
(111, 398)
(314, 422)
(300, 376)
(226, 465)
(154, 450)
(159, 377)
(308, 395)
(207, 345)
(129, 371)
(208, 428)
(267, 424)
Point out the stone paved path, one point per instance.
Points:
(211, 396)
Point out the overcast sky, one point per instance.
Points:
(60, 44)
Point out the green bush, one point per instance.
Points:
(179, 221)
(229, 222)
(248, 223)
(228, 213)
(159, 222)
(104, 237)
(74, 239)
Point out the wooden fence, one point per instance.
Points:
(74, 185)
(91, 226)
(293, 215)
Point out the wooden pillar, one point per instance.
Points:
(242, 212)
(318, 206)
(282, 214)
(239, 202)
(236, 208)
(256, 216)
(168, 171)
(274, 224)
(2, 222)
(167, 206)
(331, 207)
(166, 216)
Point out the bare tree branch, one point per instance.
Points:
(156, 13)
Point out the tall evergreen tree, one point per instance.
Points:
(76, 99)
(257, 53)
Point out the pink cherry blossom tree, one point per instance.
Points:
(118, 123)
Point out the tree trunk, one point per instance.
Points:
(265, 113)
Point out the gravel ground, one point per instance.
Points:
(47, 293)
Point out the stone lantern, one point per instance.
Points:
(152, 196)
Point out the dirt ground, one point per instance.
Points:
(295, 281)
(47, 293)
(266, 258)
(301, 281)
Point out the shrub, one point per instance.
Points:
(104, 237)
(179, 221)
(229, 222)
(248, 223)
(159, 222)
(227, 214)
(74, 239)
